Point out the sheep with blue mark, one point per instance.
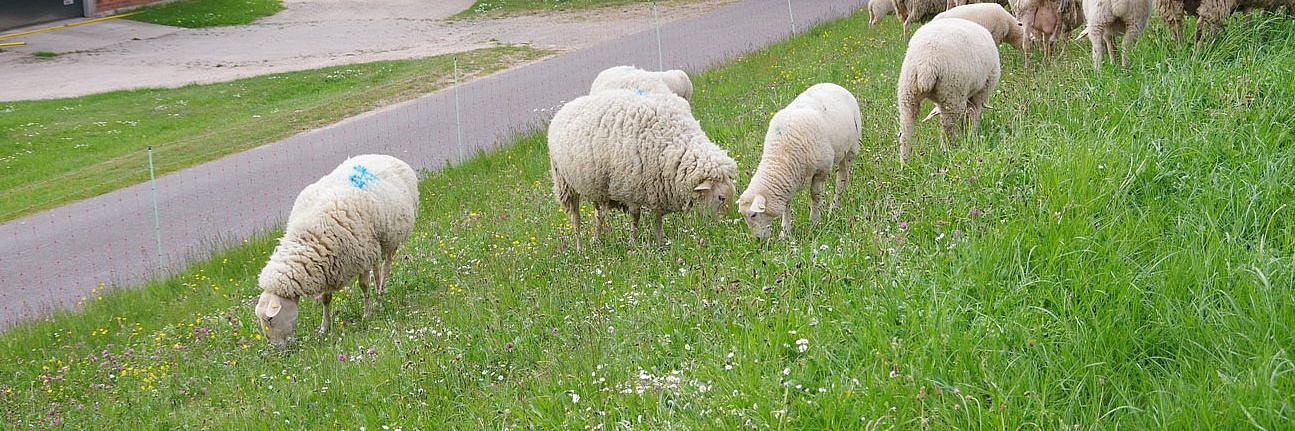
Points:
(819, 129)
(347, 225)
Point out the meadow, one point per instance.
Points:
(1113, 249)
(207, 13)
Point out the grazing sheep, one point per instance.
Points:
(637, 151)
(953, 62)
(1172, 11)
(878, 9)
(1214, 13)
(1002, 26)
(819, 129)
(1107, 19)
(917, 11)
(630, 78)
(1046, 21)
(343, 226)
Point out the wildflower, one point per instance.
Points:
(903, 225)
(802, 345)
(508, 346)
(372, 351)
(975, 212)
(341, 357)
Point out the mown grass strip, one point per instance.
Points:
(62, 150)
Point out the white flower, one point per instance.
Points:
(575, 398)
(802, 345)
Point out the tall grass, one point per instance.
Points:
(1112, 250)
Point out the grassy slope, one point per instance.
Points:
(62, 150)
(207, 13)
(1113, 251)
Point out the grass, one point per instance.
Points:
(507, 7)
(45, 54)
(207, 13)
(1113, 250)
(57, 151)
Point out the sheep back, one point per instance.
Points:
(631, 78)
(950, 61)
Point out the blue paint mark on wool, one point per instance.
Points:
(361, 178)
(640, 91)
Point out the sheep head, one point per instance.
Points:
(758, 215)
(712, 195)
(276, 317)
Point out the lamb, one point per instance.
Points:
(636, 151)
(630, 77)
(1046, 20)
(878, 9)
(1108, 18)
(343, 226)
(916, 11)
(1214, 13)
(953, 62)
(817, 130)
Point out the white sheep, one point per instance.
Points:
(816, 131)
(630, 78)
(635, 150)
(1002, 26)
(343, 226)
(953, 62)
(1107, 19)
(878, 9)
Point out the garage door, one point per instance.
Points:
(18, 13)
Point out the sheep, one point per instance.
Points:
(817, 130)
(916, 11)
(1002, 26)
(1172, 11)
(878, 9)
(630, 77)
(1214, 13)
(1108, 18)
(343, 226)
(1045, 20)
(635, 150)
(953, 62)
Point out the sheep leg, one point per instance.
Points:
(907, 115)
(1027, 23)
(634, 226)
(571, 206)
(1109, 38)
(816, 185)
(600, 222)
(842, 177)
(786, 223)
(385, 275)
(1096, 36)
(326, 299)
(364, 291)
(951, 117)
(660, 232)
(1130, 38)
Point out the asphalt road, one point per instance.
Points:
(53, 258)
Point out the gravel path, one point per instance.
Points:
(53, 258)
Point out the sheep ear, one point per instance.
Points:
(757, 204)
(705, 185)
(272, 309)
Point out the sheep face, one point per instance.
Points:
(276, 316)
(713, 196)
(757, 215)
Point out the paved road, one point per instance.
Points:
(53, 258)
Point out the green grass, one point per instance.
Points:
(506, 7)
(45, 54)
(57, 151)
(1113, 250)
(207, 13)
